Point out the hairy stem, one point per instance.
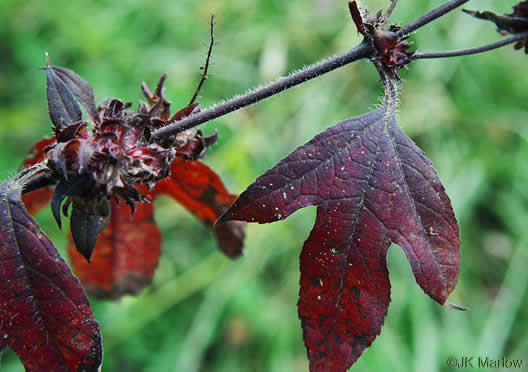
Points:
(35, 177)
(431, 16)
(466, 52)
(363, 50)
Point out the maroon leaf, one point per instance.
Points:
(372, 185)
(45, 316)
(63, 109)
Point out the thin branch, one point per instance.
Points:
(206, 67)
(363, 50)
(389, 12)
(431, 16)
(467, 52)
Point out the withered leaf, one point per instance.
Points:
(372, 186)
(512, 23)
(45, 316)
(126, 254)
(506, 23)
(195, 186)
(36, 200)
(63, 108)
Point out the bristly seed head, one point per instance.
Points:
(117, 152)
(93, 165)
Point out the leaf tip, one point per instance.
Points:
(225, 217)
(88, 257)
(230, 237)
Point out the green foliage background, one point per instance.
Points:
(206, 313)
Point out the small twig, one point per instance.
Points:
(389, 12)
(363, 50)
(206, 67)
(431, 16)
(466, 52)
(159, 87)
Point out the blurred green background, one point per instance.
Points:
(206, 313)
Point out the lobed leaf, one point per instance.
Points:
(45, 316)
(371, 185)
(201, 191)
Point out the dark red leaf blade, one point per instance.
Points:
(201, 191)
(45, 316)
(63, 108)
(372, 185)
(345, 289)
(126, 254)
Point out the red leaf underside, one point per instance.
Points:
(44, 315)
(36, 200)
(126, 254)
(37, 153)
(200, 190)
(371, 185)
